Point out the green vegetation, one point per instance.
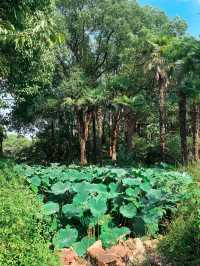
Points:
(23, 240)
(15, 144)
(96, 83)
(181, 245)
(109, 202)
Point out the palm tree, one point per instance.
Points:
(160, 68)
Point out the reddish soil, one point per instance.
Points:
(125, 253)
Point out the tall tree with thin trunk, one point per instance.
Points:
(115, 135)
(94, 136)
(130, 127)
(195, 130)
(84, 122)
(161, 78)
(183, 126)
(100, 121)
(160, 67)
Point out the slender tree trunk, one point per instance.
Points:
(195, 131)
(100, 133)
(115, 135)
(183, 126)
(53, 144)
(162, 119)
(1, 147)
(84, 122)
(94, 136)
(110, 132)
(130, 127)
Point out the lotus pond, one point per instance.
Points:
(90, 203)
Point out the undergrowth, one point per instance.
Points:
(23, 240)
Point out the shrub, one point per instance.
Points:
(21, 224)
(181, 246)
(14, 144)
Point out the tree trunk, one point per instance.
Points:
(195, 131)
(84, 122)
(130, 127)
(1, 147)
(94, 137)
(162, 119)
(100, 133)
(183, 126)
(115, 135)
(2, 136)
(110, 132)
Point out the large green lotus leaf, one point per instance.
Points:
(83, 186)
(151, 219)
(153, 214)
(76, 175)
(60, 188)
(82, 246)
(70, 175)
(110, 235)
(72, 210)
(81, 198)
(50, 208)
(132, 192)
(35, 181)
(98, 206)
(154, 195)
(118, 173)
(98, 188)
(46, 181)
(113, 190)
(146, 186)
(129, 210)
(132, 181)
(65, 238)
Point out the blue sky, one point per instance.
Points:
(187, 9)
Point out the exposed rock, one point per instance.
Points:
(151, 245)
(125, 253)
(69, 258)
(96, 250)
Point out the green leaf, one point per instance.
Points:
(71, 210)
(59, 188)
(132, 192)
(113, 193)
(110, 235)
(98, 206)
(118, 172)
(129, 210)
(82, 246)
(35, 181)
(145, 186)
(132, 181)
(81, 198)
(65, 238)
(50, 208)
(154, 195)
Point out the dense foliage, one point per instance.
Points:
(23, 240)
(181, 245)
(100, 80)
(106, 203)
